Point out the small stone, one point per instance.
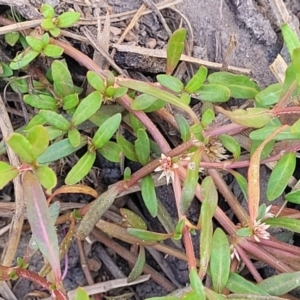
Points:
(151, 43)
(115, 30)
(131, 37)
(94, 264)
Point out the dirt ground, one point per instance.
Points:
(214, 22)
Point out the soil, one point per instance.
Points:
(214, 22)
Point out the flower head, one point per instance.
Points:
(268, 214)
(260, 231)
(167, 166)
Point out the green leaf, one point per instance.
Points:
(6, 71)
(190, 182)
(244, 232)
(36, 120)
(81, 294)
(119, 92)
(106, 130)
(46, 177)
(135, 123)
(43, 230)
(143, 101)
(213, 93)
(270, 95)
(34, 43)
(263, 133)
(63, 83)
(291, 39)
(252, 117)
(127, 147)
(86, 108)
(23, 59)
(81, 168)
(196, 81)
(39, 139)
(240, 86)
(231, 144)
(22, 147)
(170, 82)
(55, 119)
(184, 127)
(284, 222)
(59, 150)
(149, 195)
(55, 31)
(67, 19)
(19, 85)
(151, 90)
(281, 284)
(70, 101)
(185, 98)
(53, 51)
(293, 196)
(210, 196)
(109, 92)
(41, 101)
(207, 117)
(11, 38)
(97, 209)
(54, 132)
(220, 260)
(142, 146)
(238, 284)
(197, 285)
(149, 236)
(242, 182)
(133, 219)
(138, 266)
(175, 48)
(74, 137)
(281, 175)
(47, 11)
(47, 24)
(96, 81)
(111, 151)
(7, 173)
(266, 151)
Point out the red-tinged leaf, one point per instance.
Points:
(97, 209)
(7, 173)
(281, 175)
(253, 177)
(149, 236)
(252, 117)
(175, 49)
(42, 226)
(138, 266)
(74, 189)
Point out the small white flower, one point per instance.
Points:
(260, 231)
(167, 167)
(234, 253)
(268, 214)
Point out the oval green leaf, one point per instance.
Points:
(22, 147)
(39, 139)
(291, 39)
(149, 236)
(270, 95)
(23, 59)
(67, 19)
(41, 101)
(196, 81)
(184, 127)
(170, 82)
(142, 147)
(7, 173)
(127, 147)
(53, 51)
(220, 260)
(46, 177)
(231, 144)
(240, 86)
(74, 137)
(55, 119)
(281, 175)
(86, 108)
(96, 81)
(175, 48)
(149, 195)
(111, 151)
(107, 130)
(213, 93)
(133, 219)
(284, 222)
(81, 168)
(138, 266)
(293, 196)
